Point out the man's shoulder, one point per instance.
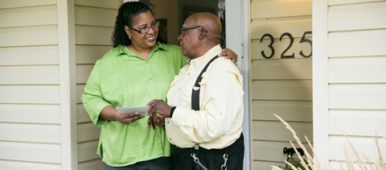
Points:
(223, 64)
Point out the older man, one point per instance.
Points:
(205, 102)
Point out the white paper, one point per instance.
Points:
(137, 110)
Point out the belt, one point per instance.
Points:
(197, 148)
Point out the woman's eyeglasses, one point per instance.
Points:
(146, 28)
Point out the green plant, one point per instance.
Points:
(295, 162)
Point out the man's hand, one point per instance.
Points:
(158, 110)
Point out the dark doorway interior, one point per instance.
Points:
(183, 9)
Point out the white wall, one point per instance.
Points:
(38, 56)
(352, 53)
(279, 85)
(30, 123)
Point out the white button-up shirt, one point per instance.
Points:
(218, 123)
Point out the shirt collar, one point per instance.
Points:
(213, 52)
(123, 50)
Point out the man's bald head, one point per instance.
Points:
(199, 33)
(210, 22)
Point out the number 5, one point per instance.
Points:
(305, 40)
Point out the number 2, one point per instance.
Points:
(291, 38)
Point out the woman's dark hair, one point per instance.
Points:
(127, 12)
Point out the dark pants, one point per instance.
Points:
(155, 164)
(212, 159)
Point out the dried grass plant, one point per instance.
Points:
(354, 159)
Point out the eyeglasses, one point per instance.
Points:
(146, 28)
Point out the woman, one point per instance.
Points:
(137, 70)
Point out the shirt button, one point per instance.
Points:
(196, 147)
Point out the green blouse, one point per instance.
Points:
(123, 79)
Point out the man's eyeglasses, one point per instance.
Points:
(146, 28)
(184, 28)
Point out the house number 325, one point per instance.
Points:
(285, 53)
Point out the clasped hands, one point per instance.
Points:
(157, 110)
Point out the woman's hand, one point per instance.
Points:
(228, 53)
(126, 118)
(110, 113)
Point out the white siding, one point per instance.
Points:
(30, 135)
(355, 36)
(94, 23)
(279, 85)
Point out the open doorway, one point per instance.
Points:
(235, 22)
(172, 20)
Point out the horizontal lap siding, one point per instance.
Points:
(30, 113)
(30, 152)
(6, 4)
(280, 86)
(356, 77)
(15, 165)
(29, 75)
(88, 54)
(43, 133)
(29, 85)
(361, 122)
(357, 43)
(366, 146)
(288, 110)
(267, 151)
(266, 131)
(46, 12)
(29, 56)
(94, 23)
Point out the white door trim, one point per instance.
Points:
(237, 36)
(68, 121)
(320, 81)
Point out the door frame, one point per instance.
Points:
(237, 38)
(237, 35)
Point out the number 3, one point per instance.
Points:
(270, 46)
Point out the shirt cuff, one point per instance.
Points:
(172, 111)
(98, 110)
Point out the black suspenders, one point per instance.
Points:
(196, 87)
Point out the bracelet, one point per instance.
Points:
(172, 111)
